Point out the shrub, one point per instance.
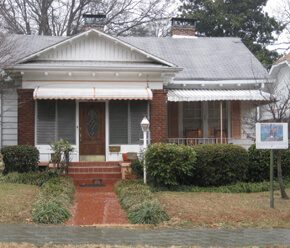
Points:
(32, 178)
(20, 159)
(137, 167)
(140, 203)
(259, 164)
(54, 201)
(219, 164)
(170, 164)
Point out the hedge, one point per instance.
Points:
(20, 159)
(219, 164)
(170, 164)
(259, 164)
(140, 203)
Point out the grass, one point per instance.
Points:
(26, 245)
(16, 202)
(203, 209)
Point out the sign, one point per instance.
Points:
(272, 135)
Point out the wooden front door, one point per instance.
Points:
(92, 131)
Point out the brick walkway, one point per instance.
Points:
(97, 205)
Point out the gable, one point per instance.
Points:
(92, 48)
(94, 45)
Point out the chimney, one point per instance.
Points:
(94, 21)
(183, 27)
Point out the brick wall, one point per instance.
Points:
(158, 116)
(186, 31)
(100, 27)
(26, 117)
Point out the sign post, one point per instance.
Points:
(271, 136)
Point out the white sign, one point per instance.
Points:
(272, 135)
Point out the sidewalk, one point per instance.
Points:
(40, 235)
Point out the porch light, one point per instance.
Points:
(145, 128)
(145, 124)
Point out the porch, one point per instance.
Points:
(210, 116)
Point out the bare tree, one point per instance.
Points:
(64, 17)
(276, 108)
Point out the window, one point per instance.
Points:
(125, 118)
(192, 119)
(214, 124)
(56, 119)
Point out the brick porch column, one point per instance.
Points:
(26, 117)
(158, 116)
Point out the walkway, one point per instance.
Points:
(40, 235)
(97, 205)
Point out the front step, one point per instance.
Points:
(86, 172)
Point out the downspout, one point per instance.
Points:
(221, 117)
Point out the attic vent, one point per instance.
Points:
(94, 21)
(183, 26)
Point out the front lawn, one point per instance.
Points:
(225, 209)
(16, 202)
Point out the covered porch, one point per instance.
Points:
(209, 116)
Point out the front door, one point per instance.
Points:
(92, 131)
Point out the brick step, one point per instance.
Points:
(88, 164)
(90, 181)
(111, 175)
(94, 169)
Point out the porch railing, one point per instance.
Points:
(246, 143)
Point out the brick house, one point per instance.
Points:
(93, 90)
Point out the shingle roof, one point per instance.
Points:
(286, 57)
(202, 58)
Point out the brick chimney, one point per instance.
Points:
(94, 21)
(183, 27)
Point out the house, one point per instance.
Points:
(93, 90)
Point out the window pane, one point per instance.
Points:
(66, 120)
(118, 111)
(192, 121)
(138, 111)
(45, 121)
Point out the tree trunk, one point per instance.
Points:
(280, 178)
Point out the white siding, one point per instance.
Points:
(9, 118)
(93, 48)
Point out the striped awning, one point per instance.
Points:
(190, 95)
(93, 93)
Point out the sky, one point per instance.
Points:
(274, 6)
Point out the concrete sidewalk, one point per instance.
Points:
(39, 235)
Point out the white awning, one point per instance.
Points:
(93, 93)
(190, 95)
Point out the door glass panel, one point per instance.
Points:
(92, 123)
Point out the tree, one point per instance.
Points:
(244, 19)
(276, 109)
(64, 17)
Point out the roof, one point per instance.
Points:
(201, 58)
(285, 58)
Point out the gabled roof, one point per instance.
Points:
(202, 58)
(285, 58)
(98, 33)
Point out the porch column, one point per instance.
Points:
(26, 117)
(221, 119)
(158, 116)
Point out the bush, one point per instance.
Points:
(259, 164)
(140, 203)
(137, 168)
(20, 159)
(54, 201)
(219, 164)
(32, 178)
(170, 164)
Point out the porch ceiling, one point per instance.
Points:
(93, 93)
(190, 95)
